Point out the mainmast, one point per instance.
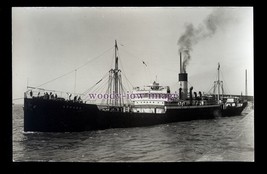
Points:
(246, 85)
(116, 77)
(219, 84)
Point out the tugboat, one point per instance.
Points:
(48, 111)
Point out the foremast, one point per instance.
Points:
(115, 83)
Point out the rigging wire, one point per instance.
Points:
(212, 86)
(95, 92)
(95, 58)
(209, 91)
(121, 86)
(107, 92)
(142, 61)
(55, 79)
(100, 90)
(18, 98)
(99, 87)
(227, 90)
(79, 67)
(88, 90)
(124, 72)
(112, 60)
(128, 82)
(127, 99)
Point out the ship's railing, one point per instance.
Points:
(47, 94)
(133, 109)
(198, 102)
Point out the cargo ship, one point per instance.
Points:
(155, 104)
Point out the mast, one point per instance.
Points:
(114, 82)
(75, 81)
(116, 77)
(218, 81)
(246, 85)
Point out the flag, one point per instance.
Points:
(144, 63)
(116, 46)
(218, 66)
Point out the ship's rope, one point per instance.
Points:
(225, 85)
(129, 84)
(79, 67)
(107, 92)
(212, 87)
(89, 89)
(20, 98)
(99, 86)
(123, 89)
(209, 91)
(123, 72)
(56, 78)
(96, 90)
(141, 61)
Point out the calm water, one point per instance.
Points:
(221, 139)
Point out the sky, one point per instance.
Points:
(48, 42)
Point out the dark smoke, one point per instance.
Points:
(192, 35)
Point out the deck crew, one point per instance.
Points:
(69, 95)
(79, 99)
(46, 96)
(51, 96)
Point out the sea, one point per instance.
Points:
(220, 139)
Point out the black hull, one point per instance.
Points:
(66, 116)
(234, 111)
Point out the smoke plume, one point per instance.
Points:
(192, 35)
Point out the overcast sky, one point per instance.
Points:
(49, 42)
